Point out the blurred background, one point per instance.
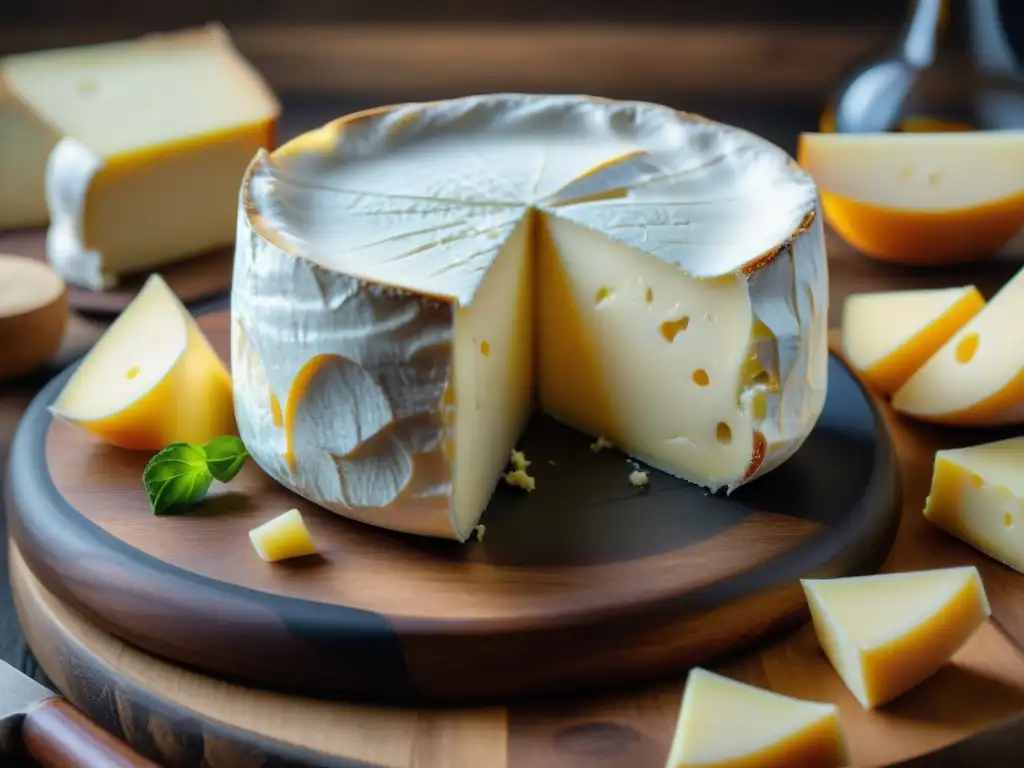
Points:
(766, 65)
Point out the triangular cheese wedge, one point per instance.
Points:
(977, 377)
(977, 495)
(923, 197)
(887, 336)
(724, 723)
(151, 379)
(887, 633)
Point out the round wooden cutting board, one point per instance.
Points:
(194, 279)
(585, 582)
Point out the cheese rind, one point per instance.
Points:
(888, 335)
(724, 723)
(151, 379)
(463, 261)
(977, 495)
(282, 538)
(149, 139)
(977, 377)
(885, 634)
(923, 197)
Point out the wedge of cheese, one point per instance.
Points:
(977, 377)
(977, 495)
(887, 336)
(920, 197)
(151, 379)
(887, 633)
(412, 282)
(724, 723)
(34, 312)
(149, 141)
(282, 538)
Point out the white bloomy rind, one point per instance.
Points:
(364, 246)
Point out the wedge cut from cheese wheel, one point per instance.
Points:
(887, 336)
(411, 283)
(152, 379)
(282, 538)
(920, 197)
(138, 146)
(885, 634)
(34, 312)
(724, 723)
(977, 495)
(977, 377)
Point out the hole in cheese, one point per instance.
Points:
(132, 372)
(967, 347)
(670, 328)
(603, 294)
(485, 348)
(976, 480)
(1008, 519)
(649, 296)
(700, 377)
(724, 433)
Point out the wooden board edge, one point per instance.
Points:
(385, 61)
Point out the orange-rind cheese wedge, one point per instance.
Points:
(888, 335)
(921, 198)
(152, 379)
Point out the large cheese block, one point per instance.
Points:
(885, 634)
(977, 377)
(888, 335)
(149, 142)
(152, 379)
(920, 197)
(724, 723)
(977, 495)
(412, 282)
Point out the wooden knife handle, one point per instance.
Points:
(57, 735)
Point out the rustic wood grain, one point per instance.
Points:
(193, 279)
(656, 578)
(57, 735)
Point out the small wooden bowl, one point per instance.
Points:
(34, 312)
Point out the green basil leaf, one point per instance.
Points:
(176, 477)
(225, 457)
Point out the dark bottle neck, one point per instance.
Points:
(970, 29)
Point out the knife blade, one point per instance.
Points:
(55, 733)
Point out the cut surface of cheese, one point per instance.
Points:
(282, 538)
(885, 634)
(977, 377)
(151, 379)
(920, 197)
(724, 723)
(33, 314)
(412, 282)
(888, 335)
(149, 140)
(977, 495)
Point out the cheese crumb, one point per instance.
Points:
(638, 478)
(519, 478)
(480, 531)
(518, 460)
(600, 444)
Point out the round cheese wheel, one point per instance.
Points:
(33, 314)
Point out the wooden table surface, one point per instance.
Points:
(849, 272)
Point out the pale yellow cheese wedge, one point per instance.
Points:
(977, 495)
(887, 633)
(888, 335)
(283, 537)
(977, 377)
(151, 379)
(926, 198)
(33, 314)
(724, 723)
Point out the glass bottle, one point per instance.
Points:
(952, 68)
